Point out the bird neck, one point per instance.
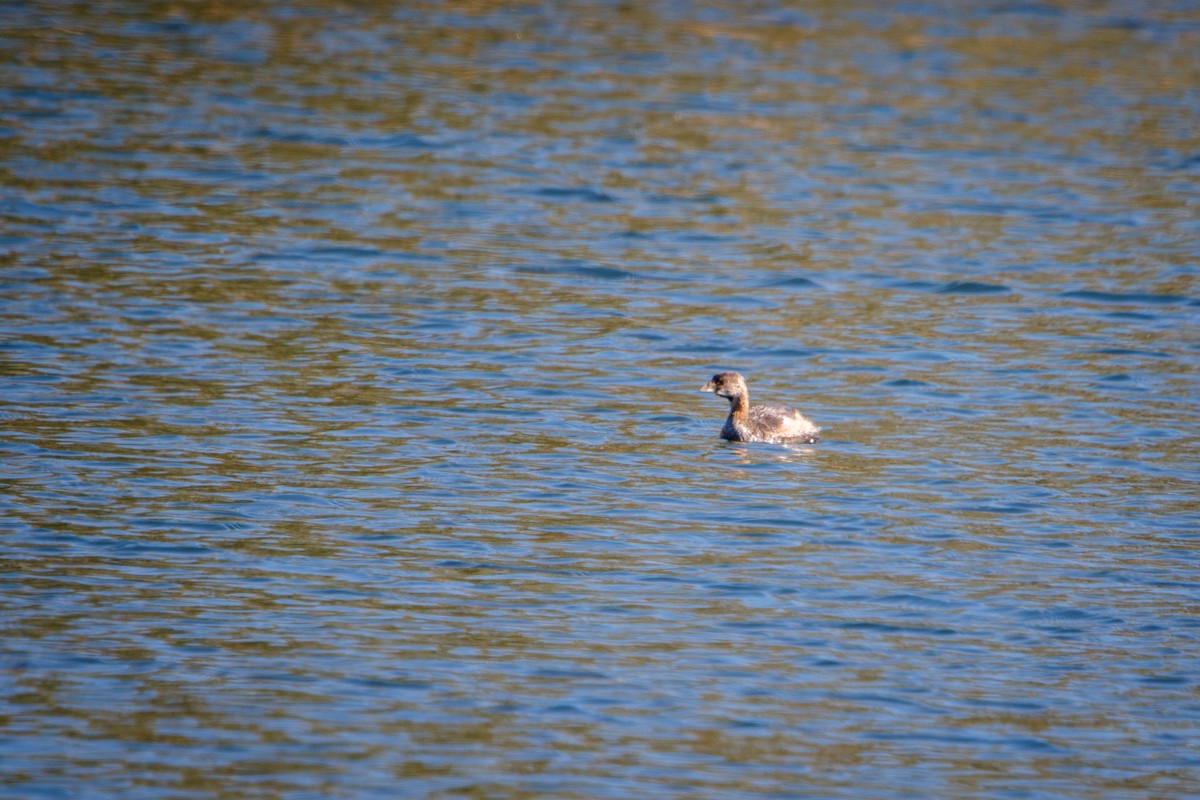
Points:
(739, 405)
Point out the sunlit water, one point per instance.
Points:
(352, 444)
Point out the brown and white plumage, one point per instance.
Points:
(747, 423)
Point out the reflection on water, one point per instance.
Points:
(351, 445)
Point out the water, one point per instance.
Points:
(352, 445)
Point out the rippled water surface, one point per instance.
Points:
(351, 440)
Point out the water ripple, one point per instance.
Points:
(352, 444)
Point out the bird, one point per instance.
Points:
(747, 423)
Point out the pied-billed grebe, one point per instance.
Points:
(747, 423)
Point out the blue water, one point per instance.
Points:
(352, 444)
